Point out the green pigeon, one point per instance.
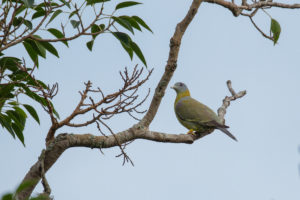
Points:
(194, 115)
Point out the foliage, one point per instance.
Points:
(31, 23)
(20, 188)
(275, 29)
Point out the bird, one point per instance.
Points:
(195, 116)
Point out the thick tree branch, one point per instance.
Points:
(171, 64)
(65, 141)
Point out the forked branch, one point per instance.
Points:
(104, 107)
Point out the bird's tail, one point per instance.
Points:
(224, 130)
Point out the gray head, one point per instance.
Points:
(180, 87)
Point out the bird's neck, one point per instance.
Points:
(183, 94)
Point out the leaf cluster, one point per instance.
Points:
(15, 81)
(20, 188)
(31, 23)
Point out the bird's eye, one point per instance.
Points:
(180, 84)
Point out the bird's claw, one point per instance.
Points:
(191, 131)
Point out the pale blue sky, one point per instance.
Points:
(263, 165)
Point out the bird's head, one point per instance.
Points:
(180, 87)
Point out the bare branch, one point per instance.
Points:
(227, 100)
(262, 4)
(126, 158)
(122, 101)
(263, 34)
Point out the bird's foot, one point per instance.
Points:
(191, 131)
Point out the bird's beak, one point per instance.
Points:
(172, 87)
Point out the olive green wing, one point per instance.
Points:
(192, 113)
(195, 114)
(192, 110)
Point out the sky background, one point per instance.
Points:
(217, 47)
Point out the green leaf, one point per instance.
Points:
(34, 96)
(18, 132)
(90, 45)
(102, 26)
(9, 63)
(54, 111)
(123, 38)
(18, 76)
(25, 185)
(39, 99)
(8, 196)
(32, 112)
(31, 52)
(17, 21)
(28, 24)
(38, 14)
(126, 4)
(124, 23)
(132, 22)
(92, 2)
(42, 84)
(95, 29)
(13, 103)
(58, 35)
(6, 91)
(138, 52)
(40, 197)
(73, 13)
(49, 47)
(28, 3)
(142, 23)
(55, 14)
(275, 29)
(128, 50)
(20, 10)
(46, 4)
(40, 50)
(75, 23)
(66, 3)
(22, 115)
(5, 121)
(16, 118)
(130, 46)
